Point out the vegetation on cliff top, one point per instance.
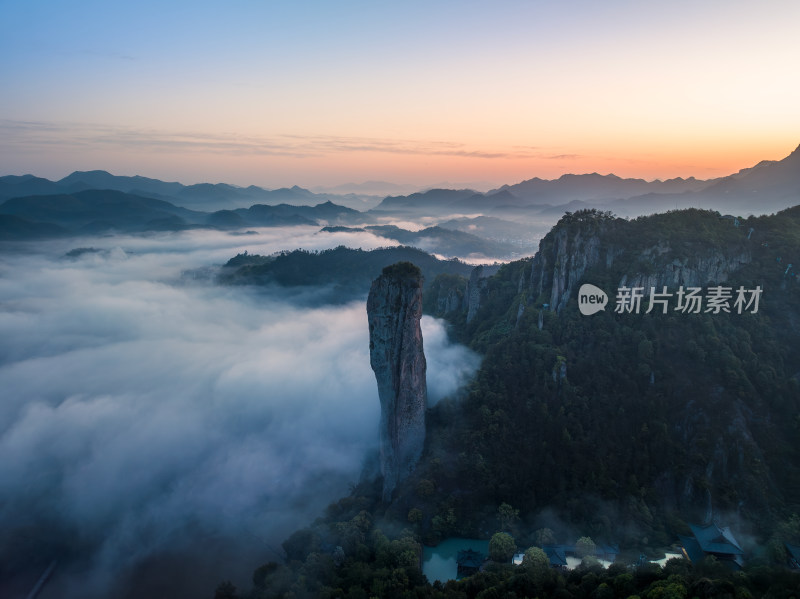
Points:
(403, 270)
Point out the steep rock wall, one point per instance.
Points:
(712, 268)
(570, 250)
(472, 297)
(563, 257)
(394, 308)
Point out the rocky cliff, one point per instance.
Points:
(472, 297)
(560, 264)
(394, 308)
(591, 240)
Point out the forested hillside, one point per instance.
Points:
(345, 272)
(624, 426)
(649, 419)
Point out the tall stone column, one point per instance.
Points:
(394, 309)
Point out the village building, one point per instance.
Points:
(566, 556)
(469, 562)
(713, 540)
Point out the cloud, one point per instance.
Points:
(146, 415)
(449, 366)
(30, 135)
(563, 157)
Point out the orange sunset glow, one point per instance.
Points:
(464, 94)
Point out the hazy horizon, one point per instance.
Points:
(322, 95)
(395, 187)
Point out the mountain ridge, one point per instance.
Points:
(778, 180)
(95, 210)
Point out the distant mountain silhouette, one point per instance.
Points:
(769, 186)
(239, 197)
(766, 187)
(431, 199)
(13, 186)
(594, 186)
(447, 242)
(479, 201)
(263, 215)
(537, 194)
(95, 211)
(81, 180)
(497, 229)
(372, 188)
(202, 196)
(15, 228)
(770, 181)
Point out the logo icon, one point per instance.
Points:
(591, 299)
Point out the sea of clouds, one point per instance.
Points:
(161, 433)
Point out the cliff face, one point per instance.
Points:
(561, 264)
(445, 295)
(472, 297)
(573, 248)
(394, 308)
(713, 268)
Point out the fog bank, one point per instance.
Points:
(149, 422)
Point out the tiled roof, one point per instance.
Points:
(713, 539)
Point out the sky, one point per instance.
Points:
(324, 93)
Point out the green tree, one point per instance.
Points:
(507, 515)
(535, 558)
(300, 544)
(225, 590)
(667, 589)
(415, 515)
(502, 547)
(445, 523)
(603, 591)
(786, 531)
(425, 488)
(585, 546)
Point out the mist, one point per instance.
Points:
(162, 433)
